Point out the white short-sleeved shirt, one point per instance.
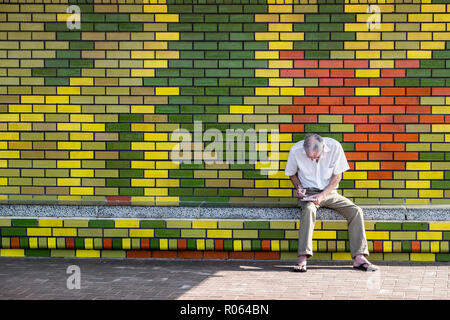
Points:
(313, 174)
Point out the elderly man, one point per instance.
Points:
(315, 167)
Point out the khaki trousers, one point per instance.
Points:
(345, 207)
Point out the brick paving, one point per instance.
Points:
(161, 279)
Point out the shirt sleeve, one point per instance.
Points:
(291, 165)
(341, 163)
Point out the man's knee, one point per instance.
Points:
(309, 209)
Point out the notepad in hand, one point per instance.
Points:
(308, 199)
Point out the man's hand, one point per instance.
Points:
(300, 193)
(318, 198)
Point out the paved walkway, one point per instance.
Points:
(47, 278)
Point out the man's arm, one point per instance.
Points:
(330, 187)
(300, 192)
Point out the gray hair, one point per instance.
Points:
(313, 143)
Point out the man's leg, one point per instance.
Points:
(355, 219)
(307, 223)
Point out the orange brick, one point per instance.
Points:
(392, 128)
(367, 146)
(406, 118)
(374, 175)
(215, 255)
(305, 118)
(355, 118)
(275, 255)
(415, 246)
(182, 243)
(189, 254)
(380, 156)
(432, 119)
(406, 156)
(406, 137)
(292, 127)
(392, 109)
(218, 245)
(367, 128)
(418, 91)
(317, 109)
(392, 166)
(342, 110)
(242, 255)
(418, 109)
(356, 156)
(265, 245)
(392, 147)
(378, 246)
(138, 254)
(355, 137)
(381, 137)
(145, 243)
(367, 109)
(164, 254)
(292, 109)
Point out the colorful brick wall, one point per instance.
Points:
(87, 114)
(216, 239)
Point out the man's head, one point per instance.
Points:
(313, 145)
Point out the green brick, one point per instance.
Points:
(256, 225)
(94, 223)
(24, 222)
(415, 226)
(167, 233)
(145, 224)
(14, 231)
(271, 234)
(37, 253)
(388, 226)
(256, 245)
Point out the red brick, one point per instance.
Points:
(305, 100)
(381, 100)
(356, 64)
(367, 109)
(292, 73)
(346, 73)
(356, 82)
(331, 64)
(317, 109)
(385, 118)
(15, 243)
(317, 91)
(418, 109)
(392, 147)
(164, 254)
(356, 156)
(355, 118)
(267, 255)
(242, 255)
(181, 245)
(392, 109)
(367, 128)
(107, 243)
(381, 82)
(406, 118)
(406, 156)
(407, 100)
(392, 166)
(303, 64)
(407, 64)
(367, 146)
(331, 82)
(441, 91)
(330, 100)
(415, 246)
(393, 128)
(292, 109)
(292, 127)
(190, 254)
(138, 254)
(145, 243)
(432, 118)
(418, 91)
(392, 91)
(317, 73)
(379, 175)
(265, 245)
(292, 54)
(356, 137)
(380, 156)
(342, 109)
(378, 246)
(218, 245)
(222, 255)
(381, 137)
(70, 243)
(395, 73)
(356, 100)
(342, 91)
(406, 137)
(305, 118)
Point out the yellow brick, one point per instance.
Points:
(93, 127)
(434, 45)
(87, 253)
(264, 36)
(440, 128)
(341, 256)
(32, 117)
(389, 64)
(413, 54)
(429, 235)
(319, 234)
(141, 54)
(119, 223)
(56, 99)
(355, 175)
(441, 17)
(142, 164)
(281, 45)
(89, 243)
(155, 8)
(68, 90)
(418, 166)
(438, 175)
(64, 232)
(356, 8)
(166, 18)
(156, 137)
(373, 54)
(433, 26)
(166, 54)
(440, 110)
(420, 17)
(267, 91)
(281, 64)
(204, 224)
(420, 36)
(156, 155)
(142, 233)
(68, 126)
(439, 225)
(32, 99)
(65, 145)
(387, 246)
(241, 109)
(167, 36)
(377, 235)
(175, 183)
(142, 72)
(267, 55)
(33, 243)
(167, 91)
(81, 81)
(293, 36)
(68, 164)
(432, 8)
(279, 27)
(142, 146)
(9, 136)
(361, 184)
(69, 182)
(20, 108)
(356, 45)
(266, 184)
(277, 82)
(434, 247)
(142, 182)
(367, 91)
(280, 192)
(219, 234)
(39, 232)
(292, 91)
(368, 73)
(280, 8)
(368, 36)
(82, 191)
(81, 155)
(163, 244)
(156, 173)
(9, 154)
(431, 193)
(381, 45)
(142, 109)
(416, 201)
(269, 73)
(156, 191)
(155, 64)
(87, 136)
(12, 252)
(417, 184)
(82, 173)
